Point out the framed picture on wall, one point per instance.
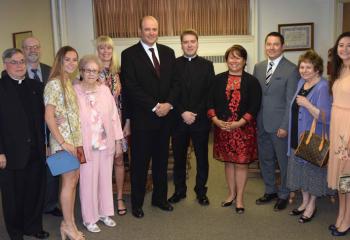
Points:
(18, 37)
(297, 36)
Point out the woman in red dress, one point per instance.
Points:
(233, 105)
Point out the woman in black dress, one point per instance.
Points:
(233, 105)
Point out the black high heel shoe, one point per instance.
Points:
(332, 227)
(304, 219)
(336, 233)
(227, 204)
(239, 210)
(296, 212)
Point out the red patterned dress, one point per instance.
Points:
(240, 144)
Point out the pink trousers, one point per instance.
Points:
(96, 192)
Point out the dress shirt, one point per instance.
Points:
(31, 74)
(149, 53)
(275, 63)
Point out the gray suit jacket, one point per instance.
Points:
(277, 95)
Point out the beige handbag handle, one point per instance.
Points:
(313, 129)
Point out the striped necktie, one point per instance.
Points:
(269, 73)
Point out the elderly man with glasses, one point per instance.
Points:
(22, 149)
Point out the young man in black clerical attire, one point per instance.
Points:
(22, 149)
(195, 75)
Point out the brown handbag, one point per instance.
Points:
(81, 155)
(313, 147)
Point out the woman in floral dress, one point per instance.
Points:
(60, 102)
(233, 105)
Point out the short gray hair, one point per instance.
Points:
(8, 53)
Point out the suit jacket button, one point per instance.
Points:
(29, 140)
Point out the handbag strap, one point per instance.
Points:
(324, 132)
(313, 129)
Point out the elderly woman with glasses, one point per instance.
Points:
(310, 100)
(101, 130)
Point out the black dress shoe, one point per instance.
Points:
(332, 227)
(40, 235)
(336, 233)
(203, 200)
(304, 219)
(280, 204)
(296, 212)
(138, 212)
(176, 197)
(266, 198)
(55, 212)
(163, 206)
(239, 210)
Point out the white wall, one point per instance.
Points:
(80, 30)
(320, 12)
(267, 14)
(23, 15)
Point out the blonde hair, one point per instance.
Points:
(57, 70)
(106, 40)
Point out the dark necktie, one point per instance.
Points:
(36, 76)
(155, 62)
(269, 73)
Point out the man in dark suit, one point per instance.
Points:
(195, 75)
(32, 52)
(22, 149)
(278, 78)
(40, 72)
(147, 77)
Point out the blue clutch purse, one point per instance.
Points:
(62, 162)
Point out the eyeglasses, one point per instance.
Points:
(32, 48)
(91, 71)
(14, 62)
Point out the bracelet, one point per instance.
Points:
(61, 143)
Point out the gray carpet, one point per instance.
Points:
(190, 221)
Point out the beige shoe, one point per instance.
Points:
(92, 227)
(108, 221)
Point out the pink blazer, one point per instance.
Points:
(105, 105)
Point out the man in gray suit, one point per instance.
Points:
(40, 72)
(278, 78)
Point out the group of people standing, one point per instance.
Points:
(156, 97)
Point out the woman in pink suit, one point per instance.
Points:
(101, 131)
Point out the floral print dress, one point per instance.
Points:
(240, 144)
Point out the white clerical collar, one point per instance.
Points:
(190, 58)
(19, 81)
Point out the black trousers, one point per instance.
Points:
(52, 189)
(23, 194)
(147, 145)
(180, 142)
